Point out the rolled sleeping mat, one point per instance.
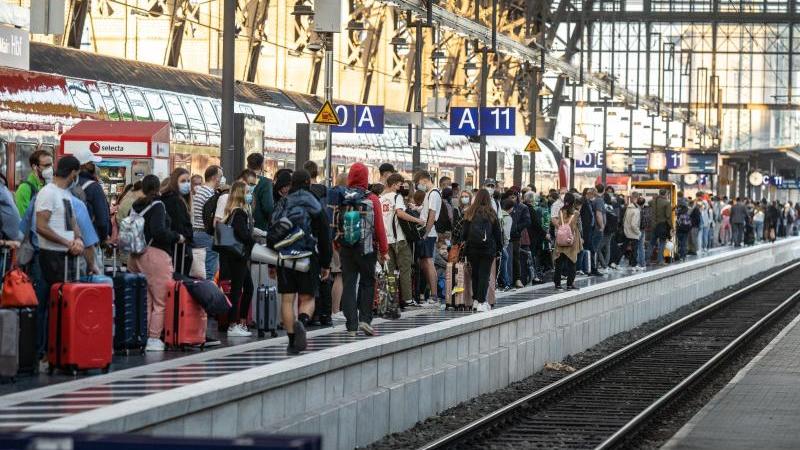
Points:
(265, 255)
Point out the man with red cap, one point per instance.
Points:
(362, 240)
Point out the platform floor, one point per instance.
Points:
(42, 399)
(760, 406)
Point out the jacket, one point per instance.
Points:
(9, 216)
(157, 228)
(694, 214)
(662, 210)
(359, 178)
(572, 251)
(263, 203)
(521, 217)
(507, 222)
(178, 212)
(24, 192)
(97, 204)
(240, 222)
(738, 213)
(632, 221)
(495, 244)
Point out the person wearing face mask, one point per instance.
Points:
(93, 195)
(201, 238)
(249, 178)
(41, 163)
(431, 207)
(489, 184)
(58, 235)
(176, 198)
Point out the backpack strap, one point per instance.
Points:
(144, 211)
(394, 220)
(87, 184)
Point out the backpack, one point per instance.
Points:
(80, 192)
(564, 235)
(209, 211)
(355, 222)
(295, 210)
(480, 239)
(131, 231)
(684, 221)
(413, 232)
(646, 218)
(444, 222)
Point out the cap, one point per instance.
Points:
(489, 181)
(386, 167)
(66, 165)
(85, 155)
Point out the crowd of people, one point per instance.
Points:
(436, 243)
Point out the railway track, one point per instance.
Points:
(606, 403)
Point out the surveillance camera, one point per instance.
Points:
(315, 46)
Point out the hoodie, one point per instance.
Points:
(359, 178)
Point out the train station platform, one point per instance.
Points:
(355, 390)
(758, 408)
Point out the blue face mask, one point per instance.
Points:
(185, 187)
(248, 198)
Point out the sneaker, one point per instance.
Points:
(300, 342)
(432, 301)
(288, 253)
(442, 307)
(338, 316)
(44, 365)
(558, 287)
(295, 234)
(572, 288)
(475, 305)
(325, 321)
(367, 329)
(154, 345)
(352, 333)
(392, 314)
(238, 330)
(519, 284)
(484, 307)
(412, 304)
(211, 342)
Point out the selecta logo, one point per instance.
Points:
(94, 147)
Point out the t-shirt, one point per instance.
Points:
(222, 203)
(555, 209)
(59, 202)
(389, 207)
(433, 201)
(599, 205)
(201, 196)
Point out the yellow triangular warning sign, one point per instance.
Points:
(327, 115)
(533, 146)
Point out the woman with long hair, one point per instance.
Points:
(176, 197)
(482, 243)
(565, 254)
(235, 268)
(156, 261)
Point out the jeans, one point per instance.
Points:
(481, 268)
(515, 261)
(605, 249)
(568, 266)
(683, 245)
(597, 241)
(201, 239)
(505, 267)
(703, 236)
(583, 262)
(400, 260)
(694, 240)
(358, 286)
(42, 288)
(758, 228)
(738, 234)
(640, 257)
(658, 244)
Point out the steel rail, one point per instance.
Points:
(619, 355)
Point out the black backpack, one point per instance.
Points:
(480, 238)
(209, 210)
(444, 222)
(413, 232)
(612, 220)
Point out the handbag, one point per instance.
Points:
(454, 254)
(225, 240)
(198, 269)
(18, 289)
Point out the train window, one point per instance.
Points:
(176, 112)
(210, 117)
(246, 109)
(157, 106)
(22, 169)
(80, 96)
(122, 103)
(195, 120)
(108, 101)
(139, 106)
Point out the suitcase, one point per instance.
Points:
(185, 320)
(9, 343)
(749, 235)
(130, 309)
(81, 322)
(449, 284)
(28, 357)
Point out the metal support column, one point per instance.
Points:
(329, 97)
(533, 104)
(484, 81)
(605, 143)
(228, 92)
(416, 152)
(572, 136)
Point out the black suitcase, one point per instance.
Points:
(17, 342)
(749, 235)
(130, 310)
(28, 358)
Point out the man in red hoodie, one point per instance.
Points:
(358, 262)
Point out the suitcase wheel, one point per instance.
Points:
(105, 369)
(273, 333)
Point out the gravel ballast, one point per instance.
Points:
(663, 427)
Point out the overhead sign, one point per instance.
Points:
(499, 121)
(366, 119)
(14, 48)
(493, 121)
(533, 146)
(108, 148)
(464, 121)
(589, 160)
(691, 162)
(326, 115)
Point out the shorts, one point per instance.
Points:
(295, 282)
(426, 248)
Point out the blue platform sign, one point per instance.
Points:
(464, 121)
(346, 115)
(590, 160)
(369, 119)
(691, 162)
(366, 119)
(499, 121)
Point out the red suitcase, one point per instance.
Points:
(81, 320)
(185, 320)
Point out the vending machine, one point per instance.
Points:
(130, 150)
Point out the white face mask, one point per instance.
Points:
(465, 200)
(222, 180)
(490, 190)
(47, 174)
(422, 187)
